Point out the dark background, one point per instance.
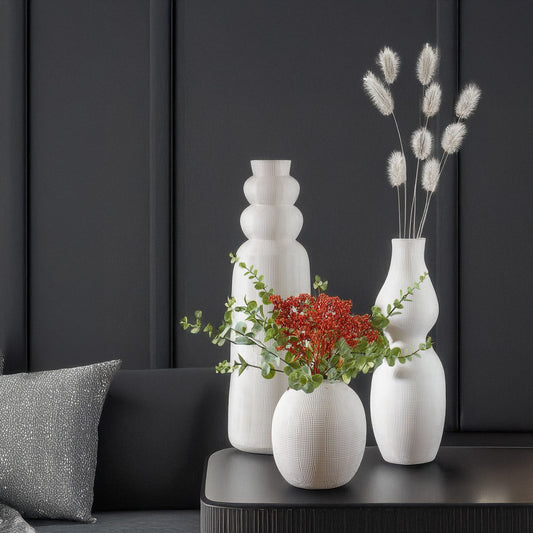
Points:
(126, 131)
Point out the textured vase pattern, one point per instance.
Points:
(271, 223)
(408, 401)
(319, 438)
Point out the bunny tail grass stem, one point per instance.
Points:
(405, 184)
(398, 131)
(412, 213)
(404, 209)
(424, 214)
(399, 214)
(443, 160)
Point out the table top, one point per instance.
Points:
(460, 475)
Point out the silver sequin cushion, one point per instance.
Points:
(49, 439)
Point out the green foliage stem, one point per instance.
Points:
(259, 328)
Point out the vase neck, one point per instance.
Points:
(408, 254)
(270, 167)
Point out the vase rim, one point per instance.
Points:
(419, 239)
(325, 382)
(270, 167)
(270, 160)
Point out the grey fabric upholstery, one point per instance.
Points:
(156, 431)
(127, 522)
(12, 522)
(49, 438)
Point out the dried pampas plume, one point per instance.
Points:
(389, 62)
(380, 96)
(453, 137)
(431, 174)
(426, 65)
(396, 169)
(432, 98)
(467, 101)
(421, 143)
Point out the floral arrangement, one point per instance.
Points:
(308, 337)
(379, 91)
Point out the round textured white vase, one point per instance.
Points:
(408, 401)
(271, 223)
(319, 438)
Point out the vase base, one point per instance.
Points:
(409, 462)
(252, 449)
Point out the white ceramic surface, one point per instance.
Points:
(408, 402)
(319, 438)
(271, 223)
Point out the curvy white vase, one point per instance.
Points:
(319, 438)
(408, 401)
(271, 223)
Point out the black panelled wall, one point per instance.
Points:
(126, 130)
(95, 185)
(496, 220)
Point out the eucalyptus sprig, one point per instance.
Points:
(287, 349)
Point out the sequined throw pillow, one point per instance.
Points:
(49, 439)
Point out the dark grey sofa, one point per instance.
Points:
(157, 429)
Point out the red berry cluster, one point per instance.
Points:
(314, 325)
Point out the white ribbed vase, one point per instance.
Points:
(319, 438)
(271, 223)
(408, 401)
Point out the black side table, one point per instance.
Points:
(465, 490)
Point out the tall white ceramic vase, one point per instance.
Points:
(408, 401)
(271, 223)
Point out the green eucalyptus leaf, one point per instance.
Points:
(317, 379)
(308, 387)
(224, 367)
(267, 371)
(243, 340)
(289, 358)
(270, 334)
(240, 327)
